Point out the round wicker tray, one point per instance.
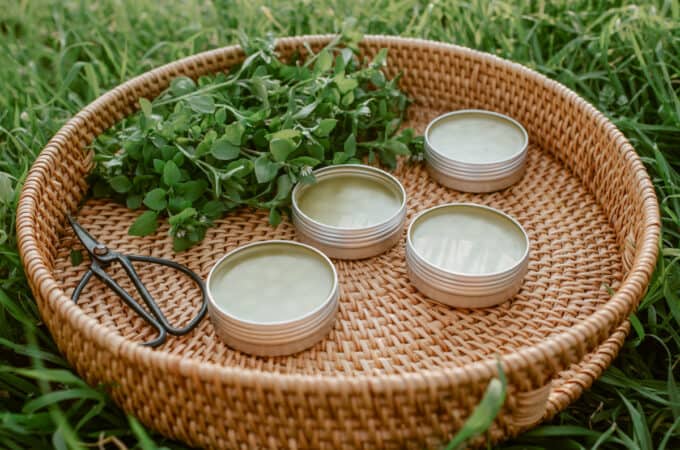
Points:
(396, 370)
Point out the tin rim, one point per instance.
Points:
(243, 329)
(269, 338)
(509, 272)
(454, 280)
(349, 241)
(335, 230)
(213, 304)
(496, 174)
(436, 120)
(443, 161)
(508, 165)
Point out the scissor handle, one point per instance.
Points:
(151, 303)
(96, 269)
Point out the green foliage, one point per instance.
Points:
(244, 139)
(486, 411)
(56, 56)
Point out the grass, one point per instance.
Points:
(56, 56)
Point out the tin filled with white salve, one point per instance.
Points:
(352, 211)
(475, 150)
(466, 255)
(273, 298)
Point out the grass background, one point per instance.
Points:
(56, 56)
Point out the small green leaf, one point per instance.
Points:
(240, 168)
(76, 257)
(167, 152)
(345, 85)
(182, 86)
(146, 106)
(120, 184)
(325, 127)
(192, 190)
(339, 65)
(346, 54)
(340, 158)
(220, 116)
(274, 217)
(260, 90)
(133, 201)
(305, 161)
(202, 103)
(324, 61)
(158, 166)
(224, 150)
(171, 173)
(177, 203)
(213, 209)
(178, 159)
(347, 99)
(380, 58)
(183, 216)
(233, 133)
(398, 148)
(206, 144)
(378, 79)
(265, 170)
(306, 110)
(288, 133)
(145, 224)
(350, 145)
(316, 151)
(156, 199)
(283, 186)
(281, 148)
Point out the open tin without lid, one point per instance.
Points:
(475, 150)
(273, 298)
(466, 255)
(353, 211)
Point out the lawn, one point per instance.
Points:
(57, 56)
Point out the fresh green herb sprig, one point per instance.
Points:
(245, 138)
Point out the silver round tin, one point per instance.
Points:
(280, 337)
(351, 242)
(468, 176)
(460, 289)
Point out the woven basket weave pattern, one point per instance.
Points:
(396, 370)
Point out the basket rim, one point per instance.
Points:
(575, 342)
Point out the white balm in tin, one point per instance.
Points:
(476, 150)
(353, 211)
(273, 297)
(467, 255)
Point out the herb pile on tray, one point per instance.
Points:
(245, 138)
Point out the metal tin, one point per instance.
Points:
(274, 338)
(470, 175)
(351, 242)
(473, 288)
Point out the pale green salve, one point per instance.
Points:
(272, 283)
(476, 138)
(349, 201)
(468, 240)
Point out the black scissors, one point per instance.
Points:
(101, 257)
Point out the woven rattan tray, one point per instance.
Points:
(396, 370)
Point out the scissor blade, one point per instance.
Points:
(88, 241)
